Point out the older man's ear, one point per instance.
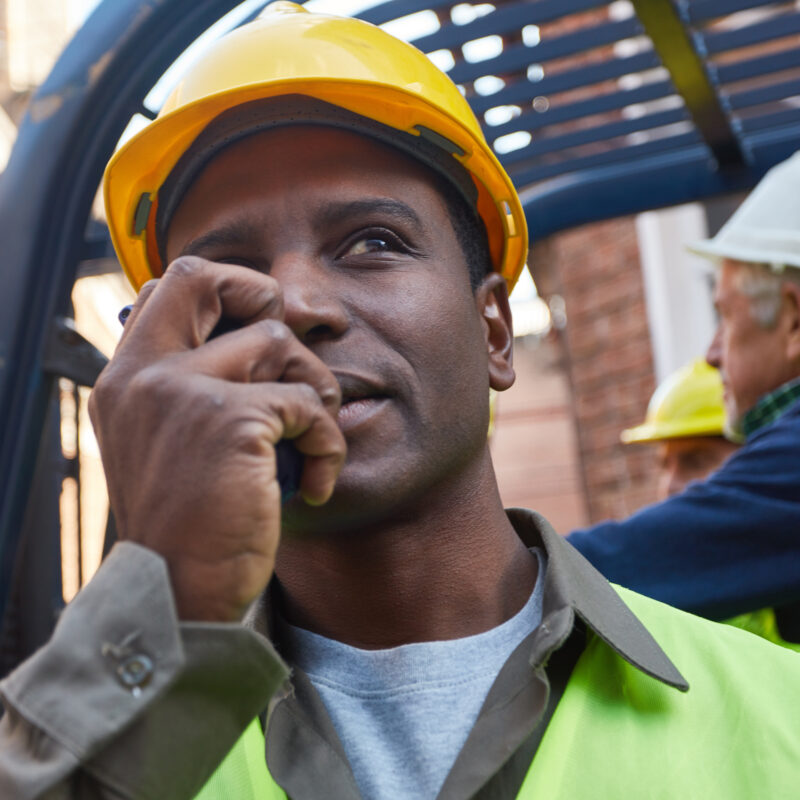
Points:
(790, 318)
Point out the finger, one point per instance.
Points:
(265, 351)
(195, 294)
(144, 294)
(301, 417)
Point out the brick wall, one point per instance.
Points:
(607, 356)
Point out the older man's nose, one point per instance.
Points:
(714, 352)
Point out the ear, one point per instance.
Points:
(791, 319)
(491, 299)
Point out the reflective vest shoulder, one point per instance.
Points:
(762, 623)
(619, 733)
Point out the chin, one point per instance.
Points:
(366, 495)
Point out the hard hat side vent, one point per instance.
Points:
(142, 213)
(440, 141)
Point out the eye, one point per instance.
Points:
(373, 242)
(368, 244)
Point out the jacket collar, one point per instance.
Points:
(571, 581)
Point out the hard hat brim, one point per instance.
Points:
(648, 433)
(718, 251)
(126, 182)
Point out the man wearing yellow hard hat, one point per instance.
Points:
(729, 545)
(686, 419)
(340, 241)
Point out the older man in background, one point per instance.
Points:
(731, 544)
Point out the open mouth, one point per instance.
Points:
(360, 400)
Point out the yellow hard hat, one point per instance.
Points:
(687, 403)
(345, 63)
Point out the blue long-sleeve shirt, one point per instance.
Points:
(724, 546)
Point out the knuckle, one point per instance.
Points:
(186, 267)
(276, 332)
(272, 296)
(253, 437)
(104, 390)
(308, 395)
(148, 287)
(149, 382)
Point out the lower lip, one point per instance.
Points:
(356, 412)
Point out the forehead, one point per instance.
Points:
(726, 280)
(308, 155)
(299, 173)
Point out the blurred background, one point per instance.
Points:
(608, 308)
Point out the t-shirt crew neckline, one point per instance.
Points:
(404, 713)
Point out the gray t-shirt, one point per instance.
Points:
(403, 714)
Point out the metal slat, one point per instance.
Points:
(759, 32)
(522, 91)
(678, 176)
(617, 155)
(519, 56)
(505, 20)
(394, 9)
(704, 10)
(773, 145)
(598, 133)
(755, 67)
(764, 94)
(672, 41)
(583, 108)
(777, 119)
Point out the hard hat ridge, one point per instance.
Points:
(340, 61)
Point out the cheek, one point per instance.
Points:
(422, 315)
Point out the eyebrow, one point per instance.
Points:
(342, 212)
(226, 235)
(237, 232)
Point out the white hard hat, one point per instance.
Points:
(765, 229)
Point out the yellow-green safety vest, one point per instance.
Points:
(762, 623)
(618, 733)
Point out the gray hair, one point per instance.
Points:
(761, 284)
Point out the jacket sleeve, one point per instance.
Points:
(724, 546)
(124, 701)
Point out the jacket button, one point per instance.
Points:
(135, 671)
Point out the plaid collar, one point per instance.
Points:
(770, 407)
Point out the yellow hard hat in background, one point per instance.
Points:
(346, 63)
(687, 403)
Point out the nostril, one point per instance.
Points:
(319, 333)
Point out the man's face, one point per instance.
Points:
(751, 358)
(375, 284)
(692, 458)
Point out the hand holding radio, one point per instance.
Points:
(189, 415)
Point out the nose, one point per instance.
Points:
(714, 352)
(313, 309)
(675, 482)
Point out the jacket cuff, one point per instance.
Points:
(115, 649)
(126, 689)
